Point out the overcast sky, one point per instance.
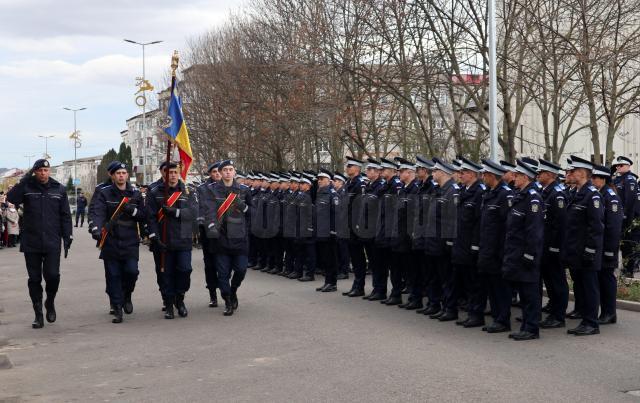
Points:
(56, 53)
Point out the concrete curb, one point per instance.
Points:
(620, 304)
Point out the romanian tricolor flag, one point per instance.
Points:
(178, 132)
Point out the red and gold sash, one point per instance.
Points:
(115, 214)
(224, 207)
(170, 202)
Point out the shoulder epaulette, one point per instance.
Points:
(532, 191)
(456, 186)
(593, 188)
(483, 186)
(505, 187)
(611, 192)
(558, 188)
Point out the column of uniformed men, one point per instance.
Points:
(453, 236)
(456, 236)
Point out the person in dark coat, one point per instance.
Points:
(342, 229)
(355, 188)
(81, 206)
(156, 253)
(613, 218)
(626, 183)
(46, 223)
(467, 243)
(582, 248)
(377, 257)
(553, 272)
(227, 220)
(117, 210)
(441, 231)
(177, 214)
(208, 250)
(496, 203)
(305, 235)
(406, 272)
(327, 206)
(523, 249)
(290, 226)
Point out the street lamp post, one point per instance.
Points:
(46, 144)
(144, 109)
(74, 136)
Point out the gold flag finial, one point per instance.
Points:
(174, 63)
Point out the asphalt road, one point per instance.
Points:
(286, 343)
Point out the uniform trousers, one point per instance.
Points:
(121, 276)
(587, 282)
(209, 258)
(555, 279)
(499, 293)
(608, 291)
(327, 256)
(40, 265)
(177, 273)
(359, 264)
(231, 271)
(531, 304)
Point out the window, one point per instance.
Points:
(141, 161)
(149, 141)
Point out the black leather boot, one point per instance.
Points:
(117, 314)
(213, 298)
(228, 306)
(51, 309)
(38, 322)
(128, 305)
(182, 308)
(234, 298)
(168, 309)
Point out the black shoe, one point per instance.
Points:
(228, 306)
(584, 330)
(431, 309)
(213, 299)
(574, 315)
(346, 293)
(38, 321)
(519, 319)
(405, 290)
(117, 314)
(306, 278)
(523, 335)
(608, 319)
(404, 304)
(275, 270)
(461, 321)
(413, 305)
(496, 327)
(423, 310)
(356, 293)
(181, 307)
(128, 305)
(168, 310)
(330, 288)
(294, 276)
(51, 310)
(546, 308)
(112, 309)
(448, 316)
(551, 323)
(392, 301)
(368, 295)
(437, 314)
(320, 289)
(284, 273)
(342, 276)
(473, 322)
(234, 299)
(377, 297)
(266, 269)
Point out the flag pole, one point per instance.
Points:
(174, 66)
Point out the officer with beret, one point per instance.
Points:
(208, 254)
(523, 249)
(441, 231)
(226, 220)
(174, 217)
(355, 188)
(551, 268)
(613, 218)
(157, 253)
(116, 213)
(46, 223)
(582, 250)
(467, 243)
(496, 203)
(327, 208)
(626, 183)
